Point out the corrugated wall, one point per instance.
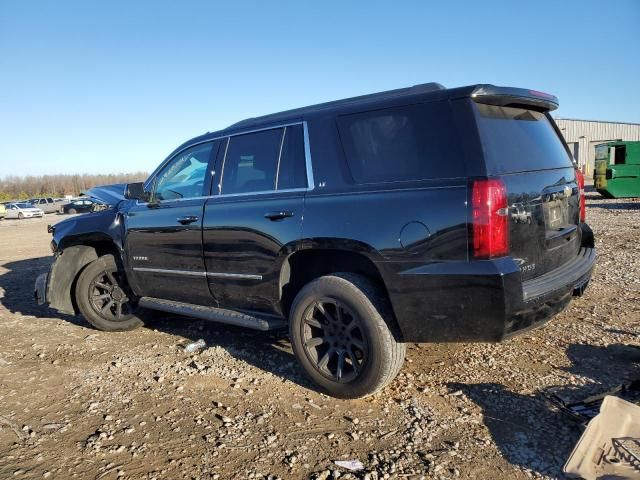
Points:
(583, 135)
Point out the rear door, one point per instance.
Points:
(164, 237)
(523, 147)
(255, 217)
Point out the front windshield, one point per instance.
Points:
(24, 205)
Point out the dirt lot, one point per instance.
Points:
(79, 403)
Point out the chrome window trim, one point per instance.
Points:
(224, 161)
(261, 192)
(307, 154)
(232, 195)
(270, 127)
(284, 133)
(245, 276)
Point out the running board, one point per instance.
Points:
(214, 314)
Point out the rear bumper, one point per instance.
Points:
(482, 300)
(572, 275)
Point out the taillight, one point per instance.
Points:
(490, 221)
(583, 207)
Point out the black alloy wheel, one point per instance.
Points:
(333, 340)
(340, 326)
(104, 298)
(108, 298)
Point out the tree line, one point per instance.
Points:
(30, 186)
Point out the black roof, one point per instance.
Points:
(297, 113)
(362, 99)
(410, 93)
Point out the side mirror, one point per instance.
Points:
(135, 191)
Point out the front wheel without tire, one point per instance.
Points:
(341, 332)
(104, 299)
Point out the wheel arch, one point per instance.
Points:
(305, 265)
(73, 255)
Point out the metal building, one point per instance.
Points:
(583, 135)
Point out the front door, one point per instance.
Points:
(255, 220)
(164, 236)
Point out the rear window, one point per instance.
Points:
(414, 142)
(519, 140)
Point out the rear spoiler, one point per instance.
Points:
(514, 97)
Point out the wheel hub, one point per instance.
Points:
(108, 298)
(334, 340)
(117, 294)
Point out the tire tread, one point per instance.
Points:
(378, 311)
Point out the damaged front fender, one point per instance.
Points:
(60, 282)
(76, 242)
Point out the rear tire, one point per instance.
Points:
(20, 216)
(340, 337)
(104, 298)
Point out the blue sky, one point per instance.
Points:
(105, 87)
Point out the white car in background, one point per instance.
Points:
(22, 210)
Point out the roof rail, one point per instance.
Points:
(400, 92)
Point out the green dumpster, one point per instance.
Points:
(617, 169)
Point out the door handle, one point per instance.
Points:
(186, 220)
(279, 215)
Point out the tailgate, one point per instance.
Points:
(523, 148)
(544, 211)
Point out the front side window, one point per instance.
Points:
(412, 142)
(184, 176)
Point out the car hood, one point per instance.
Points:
(109, 194)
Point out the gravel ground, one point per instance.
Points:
(79, 403)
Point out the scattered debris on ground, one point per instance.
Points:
(79, 403)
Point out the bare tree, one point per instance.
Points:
(19, 188)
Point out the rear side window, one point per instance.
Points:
(251, 161)
(519, 140)
(414, 142)
(265, 161)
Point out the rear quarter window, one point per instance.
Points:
(413, 142)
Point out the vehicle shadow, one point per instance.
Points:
(268, 351)
(532, 432)
(16, 289)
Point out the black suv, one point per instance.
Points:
(422, 214)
